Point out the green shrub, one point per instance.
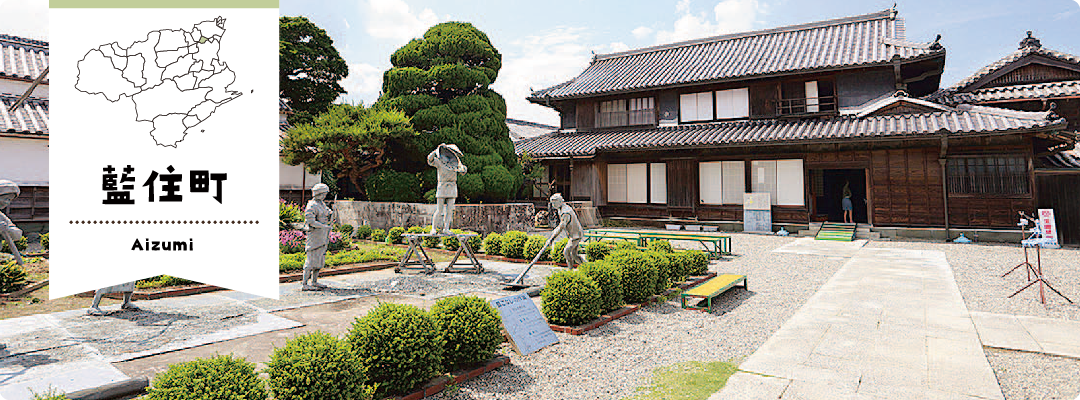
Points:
(609, 278)
(533, 246)
(474, 241)
(291, 262)
(514, 244)
(345, 230)
(288, 214)
(625, 245)
(363, 232)
(161, 281)
(400, 344)
(431, 242)
(556, 251)
(383, 253)
(596, 251)
(394, 236)
(317, 366)
(639, 275)
(662, 246)
(570, 298)
(338, 242)
(51, 394)
(699, 262)
(12, 277)
(665, 270)
(452, 243)
(45, 241)
(219, 377)
(493, 244)
(471, 328)
(378, 235)
(19, 244)
(390, 185)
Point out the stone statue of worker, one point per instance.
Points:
(317, 217)
(128, 289)
(9, 233)
(569, 224)
(447, 161)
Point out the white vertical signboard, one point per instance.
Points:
(1048, 225)
(164, 146)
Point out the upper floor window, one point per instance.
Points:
(626, 112)
(1006, 175)
(731, 103)
(806, 97)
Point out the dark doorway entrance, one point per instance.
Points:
(828, 194)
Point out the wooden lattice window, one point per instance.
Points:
(32, 205)
(991, 175)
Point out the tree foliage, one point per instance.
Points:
(441, 81)
(309, 67)
(350, 139)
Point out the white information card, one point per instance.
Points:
(528, 329)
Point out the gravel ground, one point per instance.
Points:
(611, 362)
(978, 269)
(1035, 376)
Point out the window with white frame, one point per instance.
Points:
(721, 182)
(637, 183)
(733, 103)
(783, 179)
(696, 107)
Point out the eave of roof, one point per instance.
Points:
(1035, 91)
(30, 118)
(23, 58)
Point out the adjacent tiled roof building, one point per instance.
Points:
(30, 118)
(520, 130)
(22, 58)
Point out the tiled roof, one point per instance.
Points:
(964, 119)
(524, 129)
(31, 118)
(1022, 52)
(1062, 160)
(868, 39)
(23, 58)
(1015, 92)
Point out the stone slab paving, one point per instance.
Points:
(828, 248)
(1024, 333)
(889, 324)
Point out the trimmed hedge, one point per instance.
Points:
(514, 244)
(665, 270)
(12, 277)
(699, 262)
(363, 232)
(493, 244)
(378, 235)
(45, 241)
(471, 328)
(317, 366)
(532, 248)
(638, 274)
(556, 251)
(609, 278)
(345, 230)
(625, 245)
(394, 235)
(400, 344)
(662, 246)
(570, 298)
(597, 251)
(219, 377)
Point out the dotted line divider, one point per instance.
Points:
(163, 222)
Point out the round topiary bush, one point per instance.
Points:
(596, 251)
(471, 327)
(394, 236)
(638, 274)
(570, 298)
(363, 232)
(609, 278)
(514, 244)
(532, 248)
(450, 242)
(20, 244)
(400, 344)
(493, 244)
(625, 245)
(345, 230)
(681, 261)
(219, 377)
(665, 270)
(378, 235)
(662, 246)
(556, 251)
(317, 366)
(45, 241)
(474, 241)
(12, 277)
(699, 262)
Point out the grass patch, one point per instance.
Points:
(694, 380)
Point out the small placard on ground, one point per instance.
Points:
(528, 329)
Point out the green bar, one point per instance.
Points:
(163, 4)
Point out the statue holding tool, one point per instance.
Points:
(447, 161)
(9, 233)
(568, 224)
(317, 217)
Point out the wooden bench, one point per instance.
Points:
(710, 289)
(720, 245)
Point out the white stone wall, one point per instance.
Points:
(25, 161)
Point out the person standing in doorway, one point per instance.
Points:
(846, 204)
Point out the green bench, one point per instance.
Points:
(710, 289)
(715, 245)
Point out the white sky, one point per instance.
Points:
(25, 18)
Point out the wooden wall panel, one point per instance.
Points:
(984, 212)
(1058, 192)
(682, 183)
(906, 187)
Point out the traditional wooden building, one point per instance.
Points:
(681, 131)
(24, 129)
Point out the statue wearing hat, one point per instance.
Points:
(317, 217)
(447, 161)
(9, 233)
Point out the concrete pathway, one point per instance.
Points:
(1034, 334)
(890, 324)
(828, 248)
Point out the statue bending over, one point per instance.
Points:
(317, 216)
(447, 161)
(8, 231)
(568, 223)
